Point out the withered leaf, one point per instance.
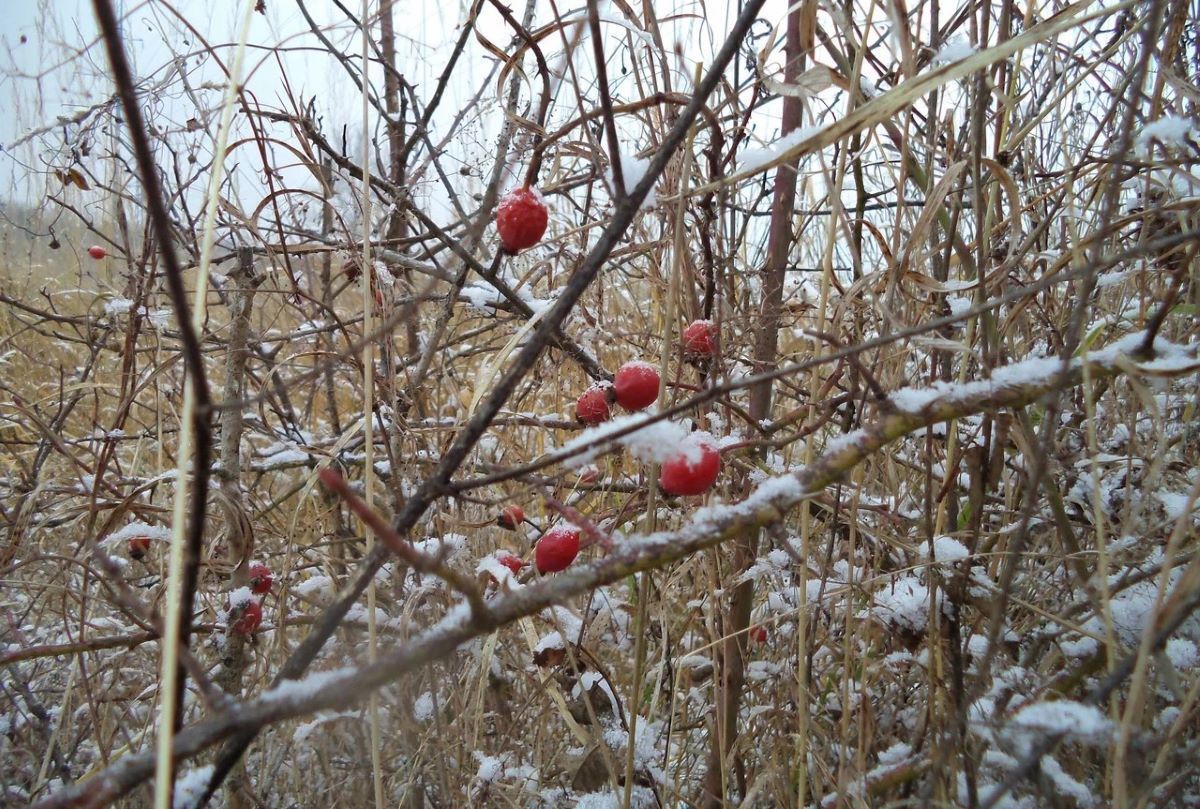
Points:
(73, 177)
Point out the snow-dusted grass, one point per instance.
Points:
(884, 583)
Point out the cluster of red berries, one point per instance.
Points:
(636, 384)
(521, 219)
(635, 387)
(511, 518)
(261, 578)
(555, 551)
(695, 468)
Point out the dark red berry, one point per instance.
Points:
(636, 385)
(557, 549)
(139, 547)
(261, 578)
(694, 470)
(511, 518)
(97, 252)
(589, 475)
(521, 219)
(758, 634)
(592, 405)
(250, 620)
(700, 339)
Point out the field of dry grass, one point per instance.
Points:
(950, 559)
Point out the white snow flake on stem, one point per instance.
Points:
(905, 604)
(948, 550)
(137, 529)
(633, 169)
(954, 51)
(490, 768)
(1170, 130)
(480, 297)
(1082, 722)
(752, 159)
(653, 443)
(422, 709)
(240, 597)
(117, 306)
(554, 640)
(1170, 357)
(1064, 784)
(306, 687)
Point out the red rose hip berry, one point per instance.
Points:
(592, 405)
(700, 339)
(139, 547)
(557, 549)
(261, 578)
(521, 219)
(511, 561)
(694, 469)
(250, 619)
(511, 518)
(758, 634)
(97, 252)
(636, 385)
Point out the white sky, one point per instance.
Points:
(61, 68)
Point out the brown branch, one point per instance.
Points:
(193, 359)
(421, 562)
(610, 124)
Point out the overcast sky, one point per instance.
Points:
(52, 65)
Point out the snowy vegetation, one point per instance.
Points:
(943, 263)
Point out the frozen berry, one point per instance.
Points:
(700, 339)
(694, 470)
(511, 517)
(592, 405)
(511, 561)
(261, 578)
(521, 219)
(139, 547)
(636, 385)
(557, 549)
(250, 620)
(97, 252)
